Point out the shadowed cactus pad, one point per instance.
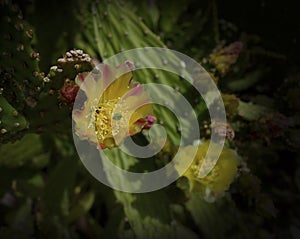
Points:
(11, 122)
(20, 76)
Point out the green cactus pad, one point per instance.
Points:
(20, 76)
(12, 123)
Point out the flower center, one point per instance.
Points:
(110, 117)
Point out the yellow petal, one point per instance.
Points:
(118, 87)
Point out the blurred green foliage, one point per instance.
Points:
(45, 192)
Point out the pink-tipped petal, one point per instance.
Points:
(107, 75)
(137, 90)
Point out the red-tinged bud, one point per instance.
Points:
(68, 92)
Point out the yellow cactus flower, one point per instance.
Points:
(220, 177)
(114, 108)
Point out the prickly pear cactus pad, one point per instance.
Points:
(11, 121)
(149, 119)
(20, 81)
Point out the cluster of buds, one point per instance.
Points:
(74, 56)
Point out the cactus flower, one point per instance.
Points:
(220, 177)
(114, 108)
(225, 57)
